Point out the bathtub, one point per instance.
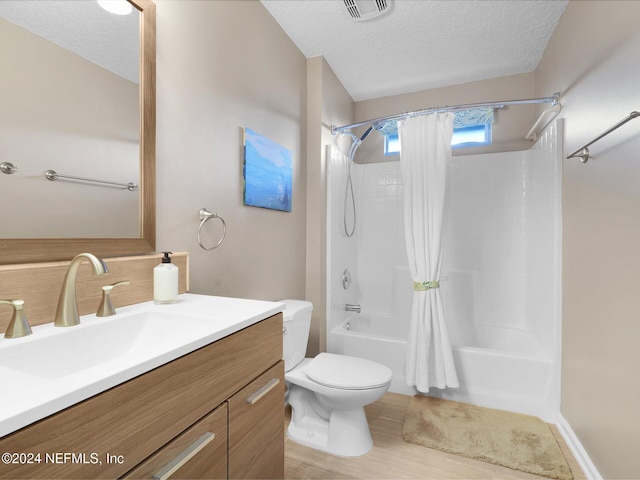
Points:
(352, 337)
(514, 374)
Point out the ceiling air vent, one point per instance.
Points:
(360, 10)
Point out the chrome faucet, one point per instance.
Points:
(349, 307)
(67, 311)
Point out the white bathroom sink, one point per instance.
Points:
(64, 352)
(57, 367)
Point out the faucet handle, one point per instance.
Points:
(105, 309)
(351, 307)
(19, 326)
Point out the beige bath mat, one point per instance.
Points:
(520, 442)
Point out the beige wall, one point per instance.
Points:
(328, 104)
(222, 66)
(60, 111)
(510, 127)
(593, 58)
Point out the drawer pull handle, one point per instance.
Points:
(263, 391)
(186, 455)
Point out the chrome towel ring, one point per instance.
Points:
(204, 216)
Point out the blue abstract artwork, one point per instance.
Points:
(267, 173)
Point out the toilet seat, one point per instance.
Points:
(347, 373)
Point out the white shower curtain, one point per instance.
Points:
(425, 152)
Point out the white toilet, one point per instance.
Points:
(328, 393)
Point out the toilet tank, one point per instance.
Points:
(297, 321)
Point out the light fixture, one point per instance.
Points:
(119, 7)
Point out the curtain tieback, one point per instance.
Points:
(422, 286)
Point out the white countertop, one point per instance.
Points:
(58, 367)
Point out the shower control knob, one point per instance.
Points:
(8, 168)
(346, 279)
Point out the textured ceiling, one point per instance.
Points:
(82, 27)
(421, 44)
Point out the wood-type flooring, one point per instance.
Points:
(393, 458)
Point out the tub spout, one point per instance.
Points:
(349, 307)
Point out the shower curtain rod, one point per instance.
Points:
(401, 116)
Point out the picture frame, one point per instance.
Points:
(267, 171)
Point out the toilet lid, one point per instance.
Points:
(349, 373)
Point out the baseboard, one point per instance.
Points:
(577, 449)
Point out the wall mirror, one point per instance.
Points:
(86, 115)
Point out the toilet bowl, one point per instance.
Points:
(328, 393)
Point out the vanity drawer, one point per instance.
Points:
(133, 420)
(200, 452)
(256, 427)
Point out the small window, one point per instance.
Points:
(392, 144)
(475, 136)
(463, 137)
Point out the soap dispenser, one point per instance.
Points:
(165, 281)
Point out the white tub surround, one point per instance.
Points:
(500, 280)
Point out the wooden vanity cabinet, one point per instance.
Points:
(200, 452)
(217, 412)
(256, 446)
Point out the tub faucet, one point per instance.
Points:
(349, 307)
(67, 311)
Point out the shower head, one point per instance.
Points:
(356, 141)
(366, 134)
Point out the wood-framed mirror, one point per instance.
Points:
(29, 250)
